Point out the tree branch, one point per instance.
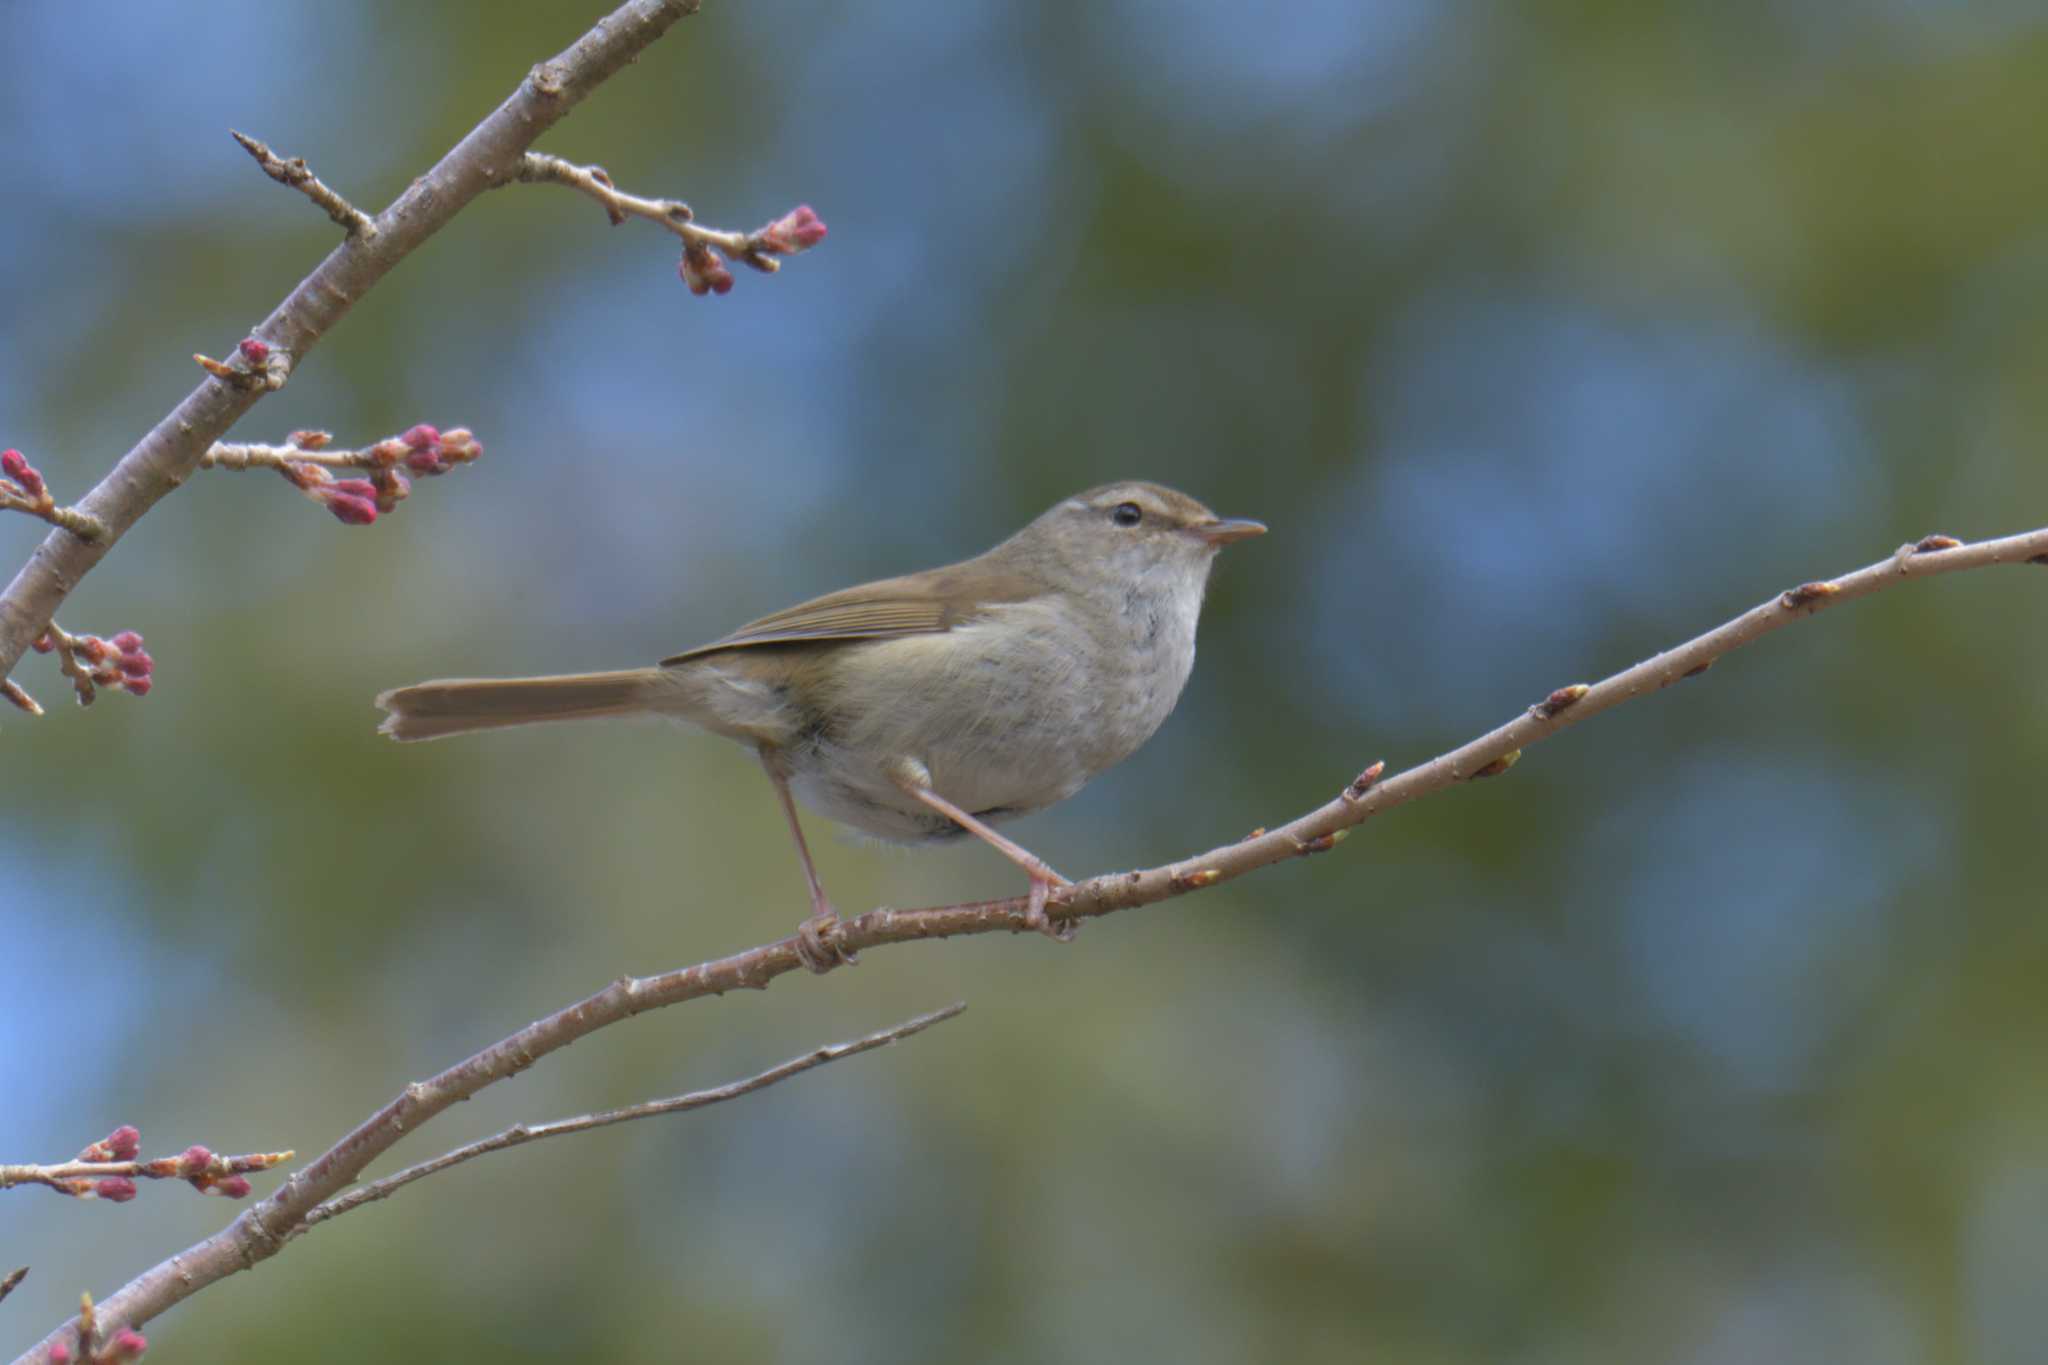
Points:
(522, 1133)
(108, 1169)
(798, 230)
(297, 174)
(261, 1230)
(167, 455)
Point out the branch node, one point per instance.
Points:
(1562, 699)
(1195, 881)
(262, 366)
(1499, 765)
(1808, 594)
(547, 80)
(1928, 545)
(1364, 782)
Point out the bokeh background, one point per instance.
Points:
(1543, 334)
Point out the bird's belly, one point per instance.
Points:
(1002, 730)
(991, 780)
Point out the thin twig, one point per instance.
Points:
(263, 1228)
(14, 1277)
(538, 168)
(16, 693)
(197, 1165)
(81, 524)
(522, 1133)
(300, 177)
(798, 230)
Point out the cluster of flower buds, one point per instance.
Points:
(428, 450)
(120, 662)
(200, 1167)
(23, 479)
(798, 230)
(127, 1345)
(424, 450)
(123, 1348)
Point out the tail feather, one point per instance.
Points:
(454, 706)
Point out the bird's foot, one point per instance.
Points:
(817, 951)
(1045, 881)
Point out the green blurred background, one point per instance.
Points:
(1543, 334)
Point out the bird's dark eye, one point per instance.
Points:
(1127, 514)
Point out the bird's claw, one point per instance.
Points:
(1042, 887)
(816, 951)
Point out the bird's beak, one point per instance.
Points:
(1224, 530)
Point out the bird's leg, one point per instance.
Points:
(916, 782)
(817, 954)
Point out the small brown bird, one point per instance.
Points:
(931, 705)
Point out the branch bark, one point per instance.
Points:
(263, 1229)
(167, 456)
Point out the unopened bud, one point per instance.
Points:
(798, 230)
(703, 272)
(15, 466)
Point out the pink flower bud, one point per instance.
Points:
(128, 1344)
(421, 437)
(798, 230)
(125, 1142)
(352, 511)
(254, 351)
(60, 1354)
(137, 687)
(231, 1187)
(137, 665)
(194, 1160)
(93, 649)
(426, 461)
(15, 466)
(115, 1189)
(355, 488)
(703, 272)
(44, 643)
(128, 642)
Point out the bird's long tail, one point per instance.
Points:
(455, 706)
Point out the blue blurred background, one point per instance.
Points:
(1543, 334)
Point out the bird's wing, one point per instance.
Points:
(919, 604)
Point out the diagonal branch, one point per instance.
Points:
(171, 451)
(261, 1230)
(522, 1133)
